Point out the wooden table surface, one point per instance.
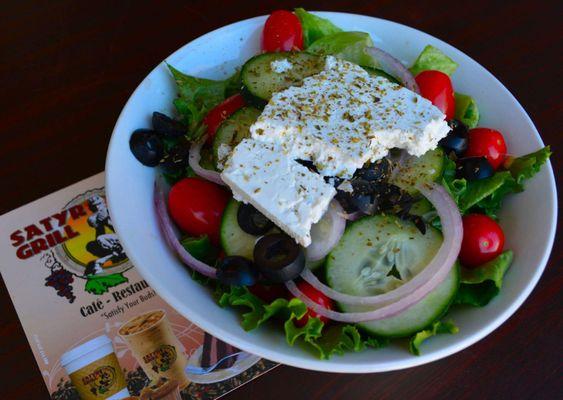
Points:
(67, 68)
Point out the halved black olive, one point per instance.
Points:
(167, 126)
(253, 221)
(147, 147)
(474, 168)
(457, 139)
(236, 271)
(278, 257)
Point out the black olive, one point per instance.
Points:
(176, 159)
(236, 271)
(167, 126)
(474, 168)
(253, 221)
(278, 257)
(147, 147)
(309, 164)
(457, 139)
(366, 203)
(345, 200)
(376, 171)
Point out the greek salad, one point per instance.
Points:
(330, 190)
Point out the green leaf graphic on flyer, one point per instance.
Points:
(100, 284)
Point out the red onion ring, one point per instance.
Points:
(195, 158)
(394, 67)
(323, 242)
(398, 300)
(354, 216)
(398, 161)
(167, 228)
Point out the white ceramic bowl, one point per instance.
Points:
(528, 219)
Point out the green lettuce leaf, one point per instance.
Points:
(172, 178)
(314, 27)
(201, 248)
(479, 285)
(350, 46)
(432, 58)
(466, 110)
(323, 340)
(487, 195)
(196, 96)
(436, 328)
(527, 166)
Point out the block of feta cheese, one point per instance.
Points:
(283, 190)
(342, 117)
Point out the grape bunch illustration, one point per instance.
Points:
(61, 280)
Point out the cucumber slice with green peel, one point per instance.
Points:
(419, 170)
(417, 317)
(260, 81)
(231, 132)
(380, 253)
(235, 241)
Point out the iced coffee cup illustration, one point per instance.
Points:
(94, 370)
(156, 348)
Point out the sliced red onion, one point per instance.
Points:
(410, 293)
(398, 160)
(195, 158)
(326, 233)
(167, 228)
(354, 216)
(394, 67)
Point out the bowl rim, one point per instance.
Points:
(324, 365)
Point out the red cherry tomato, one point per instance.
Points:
(437, 87)
(318, 298)
(197, 207)
(485, 142)
(268, 293)
(282, 32)
(221, 112)
(483, 240)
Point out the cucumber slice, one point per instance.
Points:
(377, 254)
(231, 132)
(419, 316)
(259, 81)
(419, 170)
(235, 241)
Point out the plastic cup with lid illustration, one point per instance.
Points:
(156, 347)
(94, 370)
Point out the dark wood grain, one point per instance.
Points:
(68, 67)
